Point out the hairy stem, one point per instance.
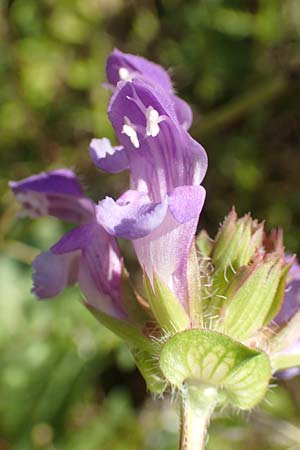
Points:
(198, 404)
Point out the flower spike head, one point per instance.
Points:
(216, 324)
(125, 67)
(57, 193)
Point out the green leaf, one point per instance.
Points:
(167, 309)
(210, 358)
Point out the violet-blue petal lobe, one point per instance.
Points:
(100, 266)
(56, 193)
(287, 374)
(291, 300)
(108, 158)
(53, 273)
(60, 181)
(132, 216)
(186, 202)
(183, 111)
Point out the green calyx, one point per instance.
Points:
(250, 296)
(204, 357)
(166, 308)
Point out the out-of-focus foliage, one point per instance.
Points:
(65, 382)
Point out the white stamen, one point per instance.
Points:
(152, 116)
(125, 75)
(130, 132)
(35, 205)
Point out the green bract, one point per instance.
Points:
(166, 308)
(209, 358)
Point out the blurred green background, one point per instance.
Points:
(65, 382)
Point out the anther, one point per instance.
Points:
(152, 116)
(125, 75)
(129, 130)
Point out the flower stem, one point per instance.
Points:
(198, 404)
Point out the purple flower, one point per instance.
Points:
(161, 210)
(87, 254)
(125, 67)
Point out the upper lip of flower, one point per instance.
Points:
(125, 67)
(160, 154)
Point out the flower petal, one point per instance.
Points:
(100, 266)
(165, 251)
(288, 373)
(183, 111)
(108, 158)
(52, 273)
(60, 181)
(186, 202)
(132, 216)
(291, 300)
(57, 193)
